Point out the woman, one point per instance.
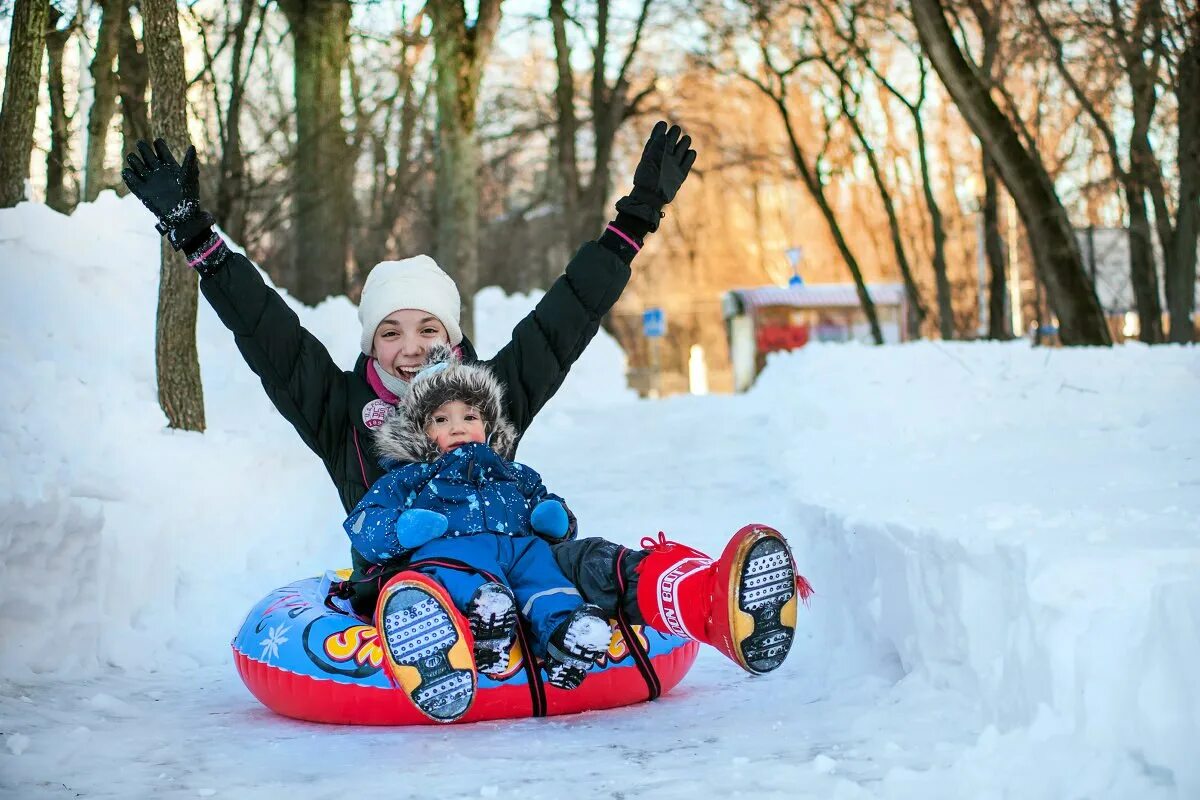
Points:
(743, 603)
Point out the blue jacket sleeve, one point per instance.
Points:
(371, 526)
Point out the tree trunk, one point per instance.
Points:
(323, 165)
(917, 311)
(1181, 288)
(460, 51)
(104, 97)
(22, 80)
(180, 393)
(941, 277)
(1142, 163)
(566, 125)
(813, 183)
(57, 157)
(134, 73)
(229, 208)
(941, 273)
(1142, 272)
(611, 106)
(999, 322)
(585, 205)
(1141, 173)
(393, 187)
(1052, 240)
(608, 109)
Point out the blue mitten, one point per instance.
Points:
(417, 526)
(549, 518)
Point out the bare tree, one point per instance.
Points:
(945, 301)
(229, 206)
(844, 65)
(1181, 267)
(58, 155)
(773, 83)
(180, 393)
(1052, 240)
(850, 101)
(321, 198)
(398, 158)
(990, 20)
(1141, 79)
(585, 203)
(23, 76)
(461, 49)
(134, 74)
(104, 97)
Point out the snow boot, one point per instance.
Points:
(427, 648)
(492, 615)
(575, 647)
(743, 604)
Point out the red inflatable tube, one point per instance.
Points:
(304, 660)
(317, 700)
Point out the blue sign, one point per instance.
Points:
(654, 323)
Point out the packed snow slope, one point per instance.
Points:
(1003, 541)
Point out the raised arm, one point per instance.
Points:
(547, 342)
(297, 372)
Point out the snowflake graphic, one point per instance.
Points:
(270, 645)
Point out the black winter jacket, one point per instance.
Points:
(325, 403)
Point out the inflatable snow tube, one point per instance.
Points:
(304, 660)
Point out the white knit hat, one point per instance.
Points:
(416, 282)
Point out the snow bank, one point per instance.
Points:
(139, 546)
(1012, 526)
(1017, 524)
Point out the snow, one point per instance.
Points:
(1002, 541)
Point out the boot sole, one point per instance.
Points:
(766, 597)
(420, 634)
(495, 635)
(568, 668)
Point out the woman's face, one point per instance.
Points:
(403, 339)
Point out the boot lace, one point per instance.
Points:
(650, 544)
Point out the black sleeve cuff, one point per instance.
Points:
(206, 255)
(625, 246)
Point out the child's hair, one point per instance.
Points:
(443, 379)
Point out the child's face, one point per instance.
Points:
(403, 339)
(455, 423)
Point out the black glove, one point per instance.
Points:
(664, 167)
(171, 191)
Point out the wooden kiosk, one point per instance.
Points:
(766, 319)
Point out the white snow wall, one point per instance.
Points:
(124, 544)
(1113, 656)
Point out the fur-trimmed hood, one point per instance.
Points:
(444, 378)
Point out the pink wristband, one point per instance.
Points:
(200, 258)
(624, 236)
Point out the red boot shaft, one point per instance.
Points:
(743, 604)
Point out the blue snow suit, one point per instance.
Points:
(487, 502)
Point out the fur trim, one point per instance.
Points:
(444, 378)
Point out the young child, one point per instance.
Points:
(454, 496)
(409, 305)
